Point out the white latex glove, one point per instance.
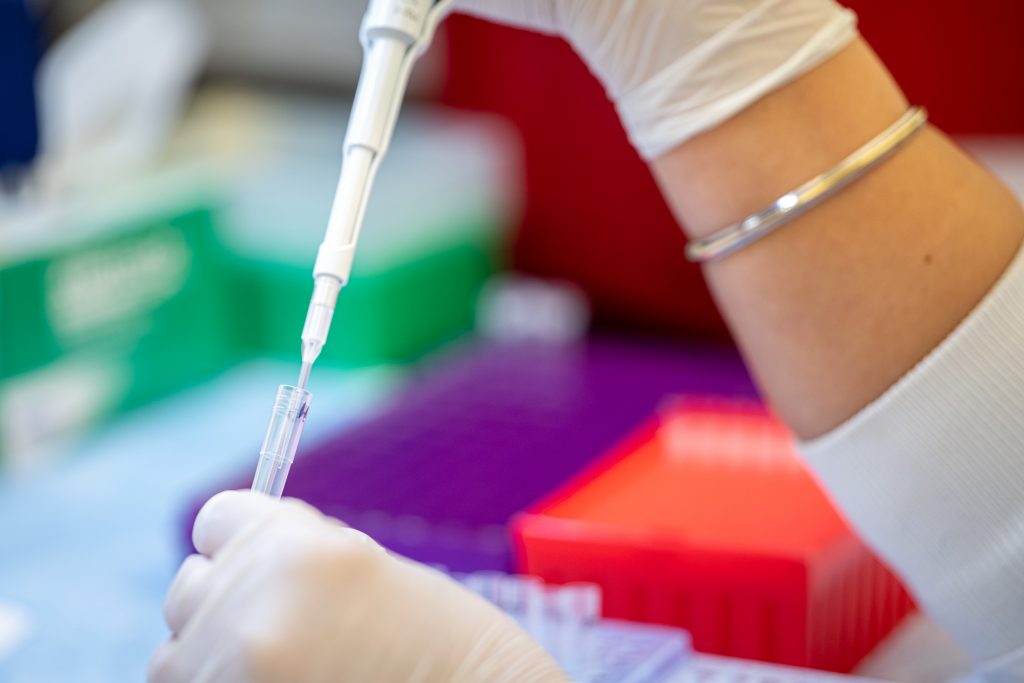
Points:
(678, 67)
(283, 594)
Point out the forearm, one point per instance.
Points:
(833, 308)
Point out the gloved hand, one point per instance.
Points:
(678, 67)
(283, 594)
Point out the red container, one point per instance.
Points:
(706, 519)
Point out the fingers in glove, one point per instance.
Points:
(187, 591)
(228, 512)
(180, 662)
(163, 665)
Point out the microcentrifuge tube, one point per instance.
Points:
(282, 439)
(579, 609)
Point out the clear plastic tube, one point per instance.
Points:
(562, 618)
(578, 609)
(282, 439)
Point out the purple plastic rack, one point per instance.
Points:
(486, 430)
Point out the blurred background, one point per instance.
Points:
(520, 304)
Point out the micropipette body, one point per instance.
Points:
(393, 33)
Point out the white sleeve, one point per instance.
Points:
(932, 476)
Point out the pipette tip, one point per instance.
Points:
(304, 375)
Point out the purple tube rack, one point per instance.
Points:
(488, 429)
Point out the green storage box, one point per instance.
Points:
(108, 302)
(433, 234)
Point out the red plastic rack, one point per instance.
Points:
(706, 519)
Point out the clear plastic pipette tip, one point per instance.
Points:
(304, 374)
(318, 322)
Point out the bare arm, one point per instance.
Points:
(833, 308)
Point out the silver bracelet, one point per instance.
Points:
(792, 204)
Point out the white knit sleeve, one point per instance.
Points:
(932, 476)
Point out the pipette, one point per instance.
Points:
(394, 33)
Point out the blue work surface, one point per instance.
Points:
(90, 544)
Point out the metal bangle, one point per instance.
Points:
(792, 204)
